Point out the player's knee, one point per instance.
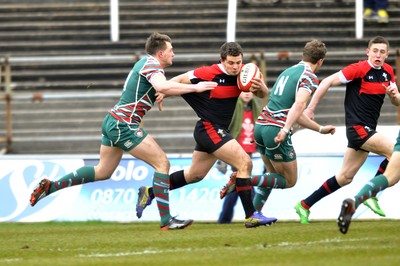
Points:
(291, 182)
(195, 179)
(246, 164)
(163, 165)
(102, 173)
(344, 180)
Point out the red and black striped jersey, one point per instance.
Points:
(215, 106)
(364, 92)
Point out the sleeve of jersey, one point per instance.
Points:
(150, 68)
(352, 71)
(309, 82)
(204, 73)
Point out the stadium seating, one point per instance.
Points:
(63, 48)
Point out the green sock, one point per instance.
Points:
(83, 175)
(161, 193)
(268, 180)
(375, 185)
(260, 197)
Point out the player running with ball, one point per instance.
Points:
(213, 141)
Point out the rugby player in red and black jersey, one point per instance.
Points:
(367, 83)
(213, 140)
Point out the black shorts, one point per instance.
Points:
(358, 135)
(210, 137)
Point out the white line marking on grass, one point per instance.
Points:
(10, 260)
(124, 254)
(260, 246)
(333, 240)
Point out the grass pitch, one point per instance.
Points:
(374, 242)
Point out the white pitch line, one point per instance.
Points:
(281, 244)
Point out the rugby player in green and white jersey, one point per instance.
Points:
(287, 101)
(145, 85)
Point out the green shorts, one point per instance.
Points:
(397, 145)
(120, 134)
(264, 137)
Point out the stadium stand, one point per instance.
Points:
(66, 72)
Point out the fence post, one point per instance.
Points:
(263, 66)
(2, 139)
(7, 84)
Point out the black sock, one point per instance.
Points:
(330, 186)
(382, 167)
(243, 187)
(177, 180)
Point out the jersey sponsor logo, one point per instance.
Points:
(385, 76)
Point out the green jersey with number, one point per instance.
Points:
(283, 93)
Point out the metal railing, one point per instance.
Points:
(6, 64)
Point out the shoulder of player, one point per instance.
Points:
(387, 67)
(148, 64)
(210, 69)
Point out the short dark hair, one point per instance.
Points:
(378, 39)
(230, 48)
(314, 51)
(156, 42)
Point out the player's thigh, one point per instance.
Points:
(268, 164)
(287, 170)
(379, 144)
(352, 162)
(233, 154)
(392, 171)
(110, 158)
(202, 162)
(150, 152)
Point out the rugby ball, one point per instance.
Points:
(246, 75)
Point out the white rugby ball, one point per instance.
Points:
(246, 75)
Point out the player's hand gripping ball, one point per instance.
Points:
(246, 75)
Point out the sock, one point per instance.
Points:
(269, 180)
(243, 187)
(382, 167)
(375, 185)
(161, 193)
(177, 180)
(83, 175)
(330, 186)
(381, 170)
(260, 197)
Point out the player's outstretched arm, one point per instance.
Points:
(332, 80)
(306, 122)
(179, 85)
(294, 113)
